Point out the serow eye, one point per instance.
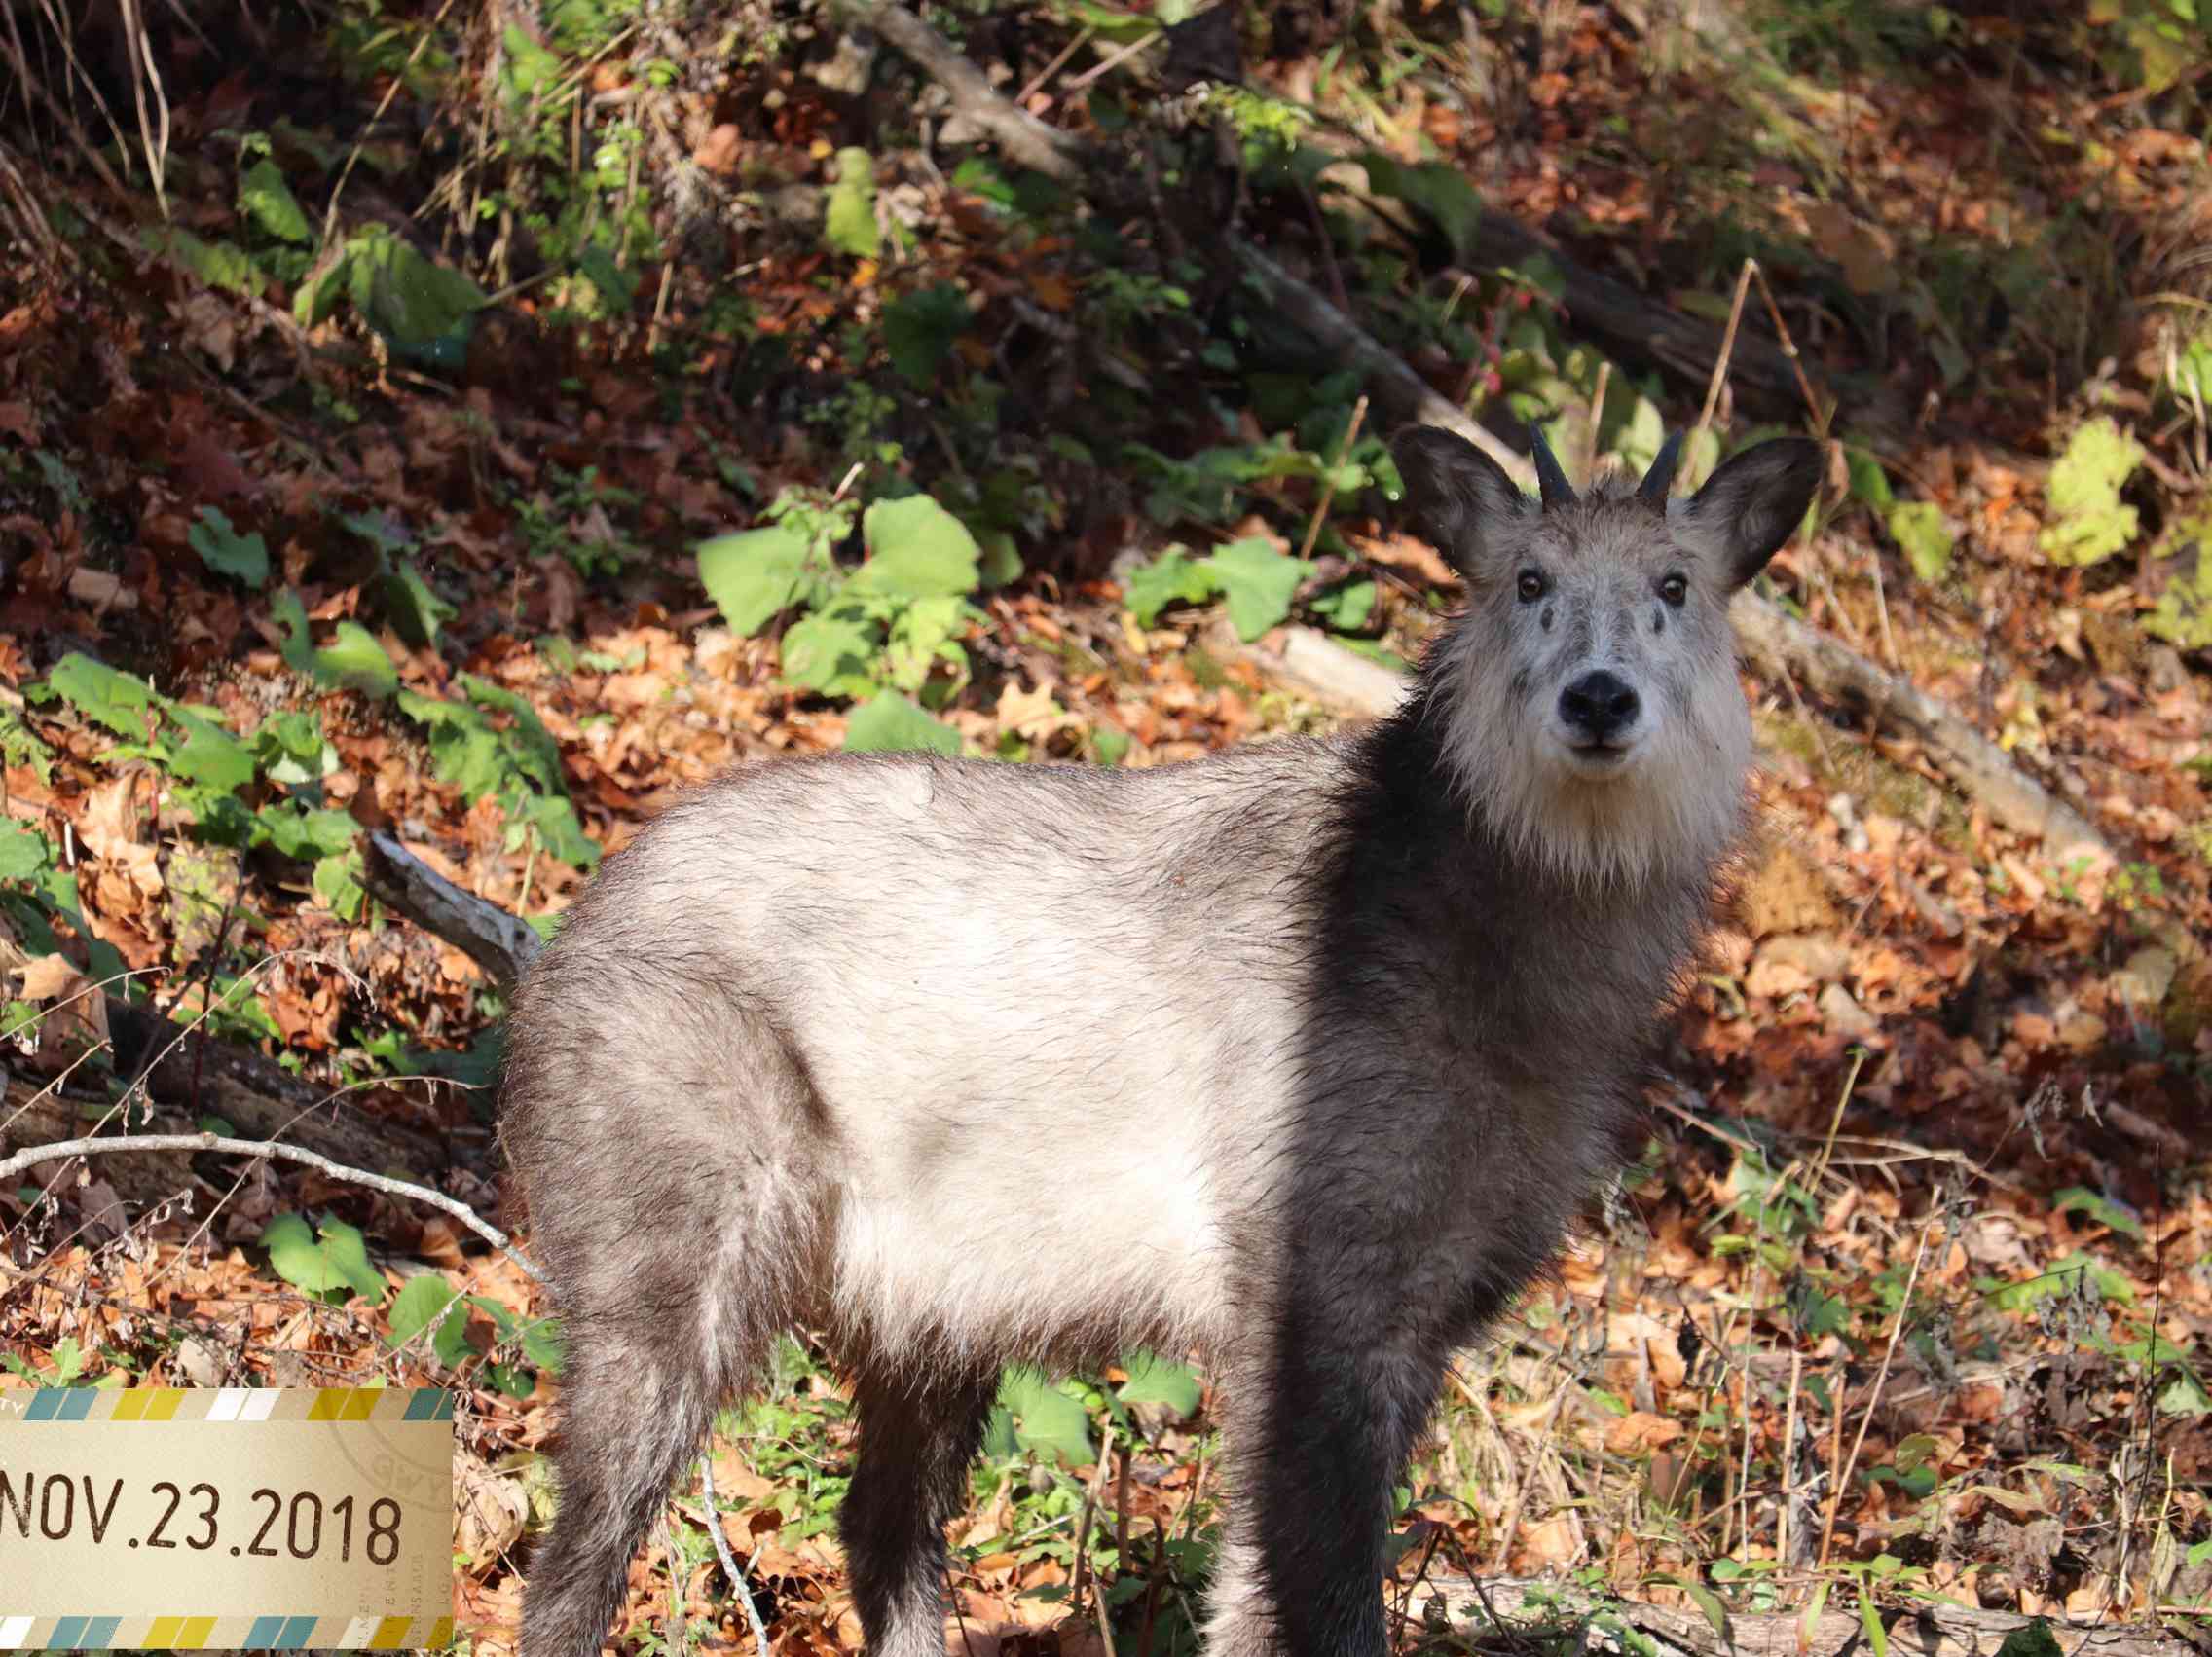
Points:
(1533, 586)
(1675, 589)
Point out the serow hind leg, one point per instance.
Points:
(916, 1442)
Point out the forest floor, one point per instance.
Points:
(474, 436)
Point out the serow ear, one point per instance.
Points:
(1457, 495)
(1754, 501)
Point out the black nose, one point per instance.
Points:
(1598, 707)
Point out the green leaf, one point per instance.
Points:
(2089, 522)
(1109, 745)
(269, 202)
(333, 1265)
(1870, 1620)
(244, 558)
(890, 724)
(542, 1343)
(115, 700)
(1154, 1379)
(422, 1301)
(1045, 1418)
(924, 634)
(1347, 608)
(1869, 482)
(1708, 1602)
(1918, 526)
(215, 264)
(529, 64)
(210, 755)
(338, 883)
(849, 218)
(411, 607)
(450, 1343)
(832, 651)
(353, 660)
(1258, 582)
(754, 576)
(1172, 578)
(1440, 191)
(919, 330)
(916, 550)
(2076, 1199)
(415, 304)
(291, 749)
(2185, 1395)
(2034, 1640)
(24, 853)
(1913, 1452)
(298, 832)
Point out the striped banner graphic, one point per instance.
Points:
(231, 1633)
(226, 1404)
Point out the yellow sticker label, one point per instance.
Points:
(274, 1518)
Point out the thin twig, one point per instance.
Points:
(37, 1154)
(1329, 483)
(1789, 351)
(730, 1567)
(1874, 1398)
(1727, 350)
(1835, 1120)
(1596, 414)
(1082, 1541)
(1021, 99)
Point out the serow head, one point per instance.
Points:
(1596, 649)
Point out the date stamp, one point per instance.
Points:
(276, 1517)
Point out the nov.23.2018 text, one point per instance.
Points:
(260, 1523)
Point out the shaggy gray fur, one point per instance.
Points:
(1304, 1055)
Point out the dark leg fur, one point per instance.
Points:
(916, 1442)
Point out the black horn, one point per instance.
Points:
(1556, 491)
(1661, 477)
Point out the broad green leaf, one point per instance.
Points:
(1913, 1452)
(1109, 745)
(530, 743)
(1173, 577)
(291, 749)
(334, 1265)
(1348, 606)
(216, 264)
(1701, 456)
(1869, 482)
(270, 202)
(2180, 574)
(1707, 1601)
(1436, 188)
(919, 330)
(411, 607)
(115, 700)
(338, 883)
(754, 576)
(2089, 522)
(890, 724)
(210, 755)
(420, 1302)
(916, 550)
(831, 652)
(1918, 526)
(1045, 1418)
(1258, 582)
(24, 853)
(530, 64)
(450, 1343)
(404, 296)
(2185, 1395)
(849, 218)
(243, 558)
(1154, 1379)
(354, 661)
(542, 1343)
